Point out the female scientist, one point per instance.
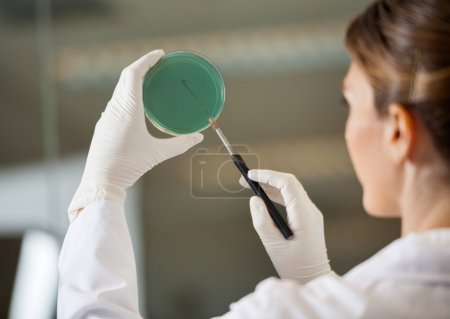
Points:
(398, 137)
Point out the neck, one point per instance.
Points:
(425, 203)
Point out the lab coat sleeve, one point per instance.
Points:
(325, 297)
(97, 267)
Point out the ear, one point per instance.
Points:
(400, 132)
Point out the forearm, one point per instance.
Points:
(97, 267)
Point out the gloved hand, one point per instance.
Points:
(122, 150)
(303, 257)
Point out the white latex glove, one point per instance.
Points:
(303, 257)
(122, 150)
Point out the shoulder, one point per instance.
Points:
(410, 277)
(404, 280)
(325, 297)
(421, 258)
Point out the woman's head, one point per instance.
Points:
(398, 87)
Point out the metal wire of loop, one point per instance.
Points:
(412, 87)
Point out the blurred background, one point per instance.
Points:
(282, 61)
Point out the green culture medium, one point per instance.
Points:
(181, 92)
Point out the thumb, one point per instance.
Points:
(180, 144)
(286, 184)
(262, 222)
(142, 65)
(243, 182)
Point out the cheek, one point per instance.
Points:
(363, 138)
(357, 137)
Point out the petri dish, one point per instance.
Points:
(181, 92)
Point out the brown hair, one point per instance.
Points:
(404, 47)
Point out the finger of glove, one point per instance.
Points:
(176, 145)
(142, 65)
(243, 182)
(126, 102)
(286, 184)
(273, 193)
(262, 222)
(298, 206)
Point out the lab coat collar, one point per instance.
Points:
(418, 257)
(436, 237)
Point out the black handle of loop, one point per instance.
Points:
(273, 212)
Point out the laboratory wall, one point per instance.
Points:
(282, 62)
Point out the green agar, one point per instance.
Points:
(181, 92)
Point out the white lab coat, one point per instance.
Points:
(410, 278)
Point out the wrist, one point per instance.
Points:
(89, 193)
(306, 273)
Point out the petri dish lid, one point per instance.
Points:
(181, 92)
